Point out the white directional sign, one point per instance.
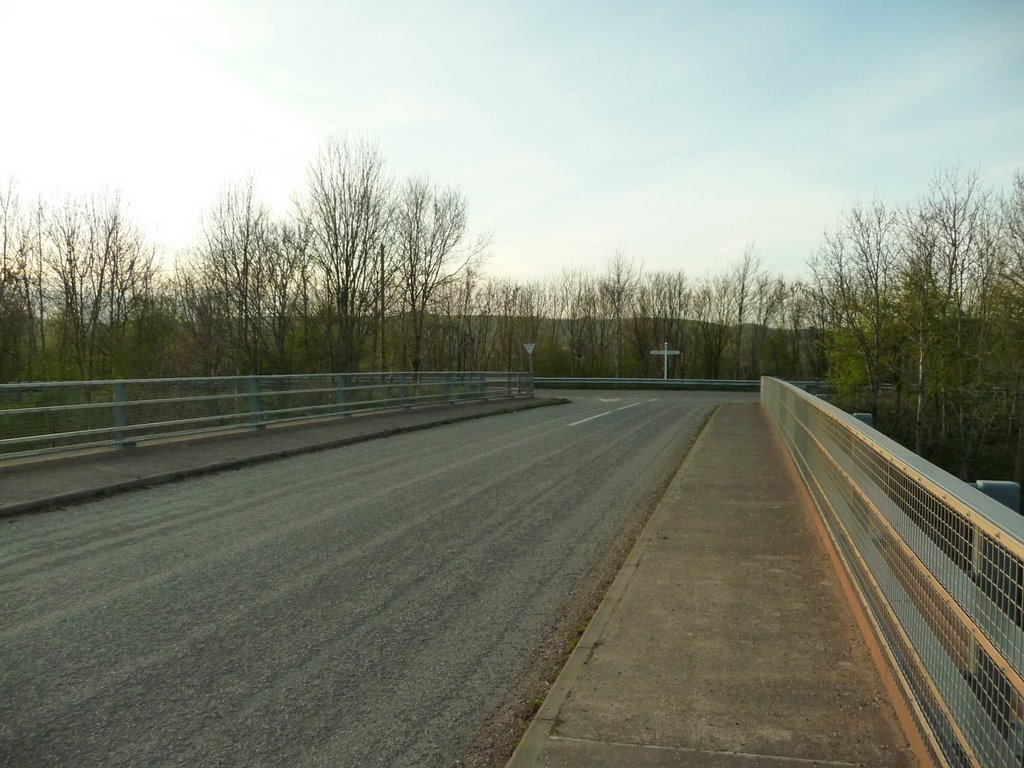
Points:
(529, 347)
(664, 352)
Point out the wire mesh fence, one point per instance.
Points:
(42, 417)
(939, 565)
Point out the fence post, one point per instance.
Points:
(448, 388)
(120, 417)
(402, 391)
(254, 402)
(508, 384)
(341, 396)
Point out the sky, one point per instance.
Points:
(675, 132)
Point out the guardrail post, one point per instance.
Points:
(402, 393)
(254, 402)
(483, 386)
(120, 417)
(341, 394)
(448, 388)
(508, 384)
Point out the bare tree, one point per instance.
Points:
(233, 263)
(430, 248)
(713, 310)
(201, 308)
(617, 292)
(103, 269)
(583, 331)
(856, 269)
(287, 265)
(968, 262)
(742, 281)
(347, 207)
(769, 296)
(15, 308)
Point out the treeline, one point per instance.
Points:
(913, 312)
(924, 312)
(367, 273)
(346, 282)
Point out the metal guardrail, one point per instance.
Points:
(44, 417)
(939, 567)
(579, 382)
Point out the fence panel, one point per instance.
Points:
(938, 565)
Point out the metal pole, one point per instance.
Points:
(120, 397)
(339, 384)
(254, 402)
(664, 363)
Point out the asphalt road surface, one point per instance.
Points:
(360, 606)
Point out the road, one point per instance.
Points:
(361, 606)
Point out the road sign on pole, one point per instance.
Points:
(528, 346)
(664, 352)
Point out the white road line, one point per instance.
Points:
(609, 399)
(598, 416)
(589, 418)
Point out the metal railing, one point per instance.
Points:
(43, 417)
(939, 567)
(582, 382)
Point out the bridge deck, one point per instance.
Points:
(726, 640)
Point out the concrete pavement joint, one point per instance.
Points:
(696, 751)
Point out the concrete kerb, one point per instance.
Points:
(86, 494)
(547, 717)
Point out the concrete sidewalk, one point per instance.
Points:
(726, 639)
(41, 482)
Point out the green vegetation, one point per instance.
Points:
(923, 309)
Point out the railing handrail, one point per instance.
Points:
(122, 411)
(238, 377)
(753, 384)
(973, 502)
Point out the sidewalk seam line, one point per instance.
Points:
(699, 751)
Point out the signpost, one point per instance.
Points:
(664, 352)
(528, 346)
